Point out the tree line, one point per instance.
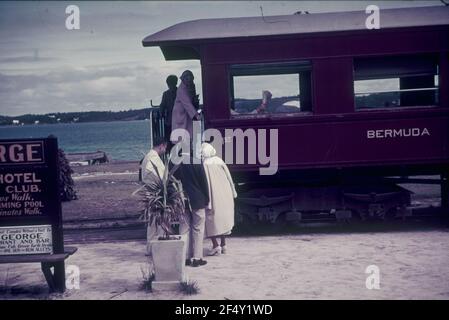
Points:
(70, 117)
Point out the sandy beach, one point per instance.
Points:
(301, 263)
(104, 191)
(413, 265)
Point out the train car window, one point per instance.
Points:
(396, 81)
(271, 88)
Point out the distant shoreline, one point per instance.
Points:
(57, 123)
(76, 117)
(112, 167)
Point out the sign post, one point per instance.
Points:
(30, 205)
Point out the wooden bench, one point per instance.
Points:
(55, 279)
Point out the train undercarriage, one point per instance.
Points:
(369, 200)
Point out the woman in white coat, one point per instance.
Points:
(220, 211)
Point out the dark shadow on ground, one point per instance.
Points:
(269, 229)
(17, 290)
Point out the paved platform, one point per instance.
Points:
(412, 265)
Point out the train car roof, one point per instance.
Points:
(173, 40)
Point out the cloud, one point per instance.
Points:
(27, 59)
(85, 89)
(103, 66)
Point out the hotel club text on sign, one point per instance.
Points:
(30, 209)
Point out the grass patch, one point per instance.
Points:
(189, 287)
(148, 278)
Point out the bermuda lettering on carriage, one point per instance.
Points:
(397, 133)
(256, 152)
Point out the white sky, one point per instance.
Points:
(46, 68)
(282, 85)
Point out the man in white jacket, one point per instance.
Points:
(152, 163)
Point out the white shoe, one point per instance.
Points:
(214, 251)
(223, 250)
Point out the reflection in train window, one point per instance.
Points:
(396, 81)
(259, 89)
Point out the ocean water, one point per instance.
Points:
(121, 140)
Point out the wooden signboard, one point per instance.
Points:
(30, 206)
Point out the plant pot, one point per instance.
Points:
(169, 263)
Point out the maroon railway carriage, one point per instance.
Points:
(351, 105)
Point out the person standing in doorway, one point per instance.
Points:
(167, 103)
(184, 110)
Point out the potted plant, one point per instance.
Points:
(163, 206)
